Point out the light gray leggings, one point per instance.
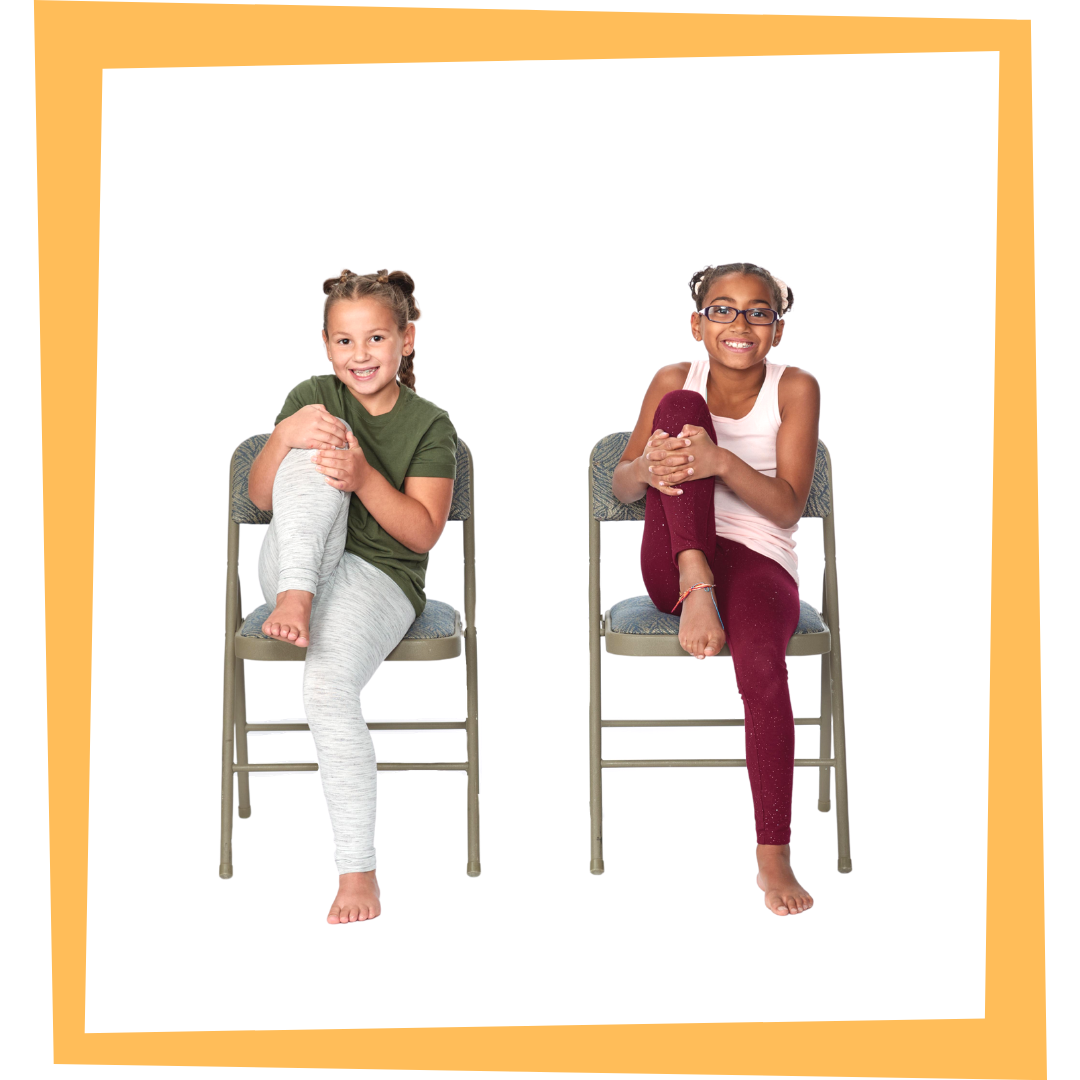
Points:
(359, 614)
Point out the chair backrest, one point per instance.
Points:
(244, 512)
(605, 507)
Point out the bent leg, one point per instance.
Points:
(302, 546)
(358, 618)
(680, 535)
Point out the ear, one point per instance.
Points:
(408, 339)
(695, 325)
(778, 333)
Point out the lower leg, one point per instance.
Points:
(361, 614)
(302, 546)
(761, 607)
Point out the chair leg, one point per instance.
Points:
(243, 783)
(472, 741)
(596, 788)
(225, 868)
(825, 772)
(843, 837)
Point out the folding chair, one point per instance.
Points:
(635, 627)
(435, 635)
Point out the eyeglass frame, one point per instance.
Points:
(740, 311)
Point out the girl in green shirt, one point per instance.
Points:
(359, 472)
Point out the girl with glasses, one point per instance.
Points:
(724, 451)
(359, 473)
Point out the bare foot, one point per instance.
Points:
(357, 898)
(290, 618)
(700, 632)
(783, 894)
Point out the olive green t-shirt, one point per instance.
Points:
(415, 438)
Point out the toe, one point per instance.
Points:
(333, 917)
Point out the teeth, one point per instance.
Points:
(738, 344)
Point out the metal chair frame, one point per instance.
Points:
(830, 721)
(235, 726)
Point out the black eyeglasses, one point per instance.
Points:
(721, 313)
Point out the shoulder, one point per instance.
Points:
(798, 390)
(318, 390)
(670, 377)
(421, 411)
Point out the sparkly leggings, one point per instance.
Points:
(759, 603)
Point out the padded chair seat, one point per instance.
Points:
(635, 627)
(639, 615)
(435, 635)
(438, 620)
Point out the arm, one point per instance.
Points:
(414, 517)
(309, 428)
(782, 498)
(632, 476)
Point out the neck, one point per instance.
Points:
(381, 403)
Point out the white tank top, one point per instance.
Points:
(752, 438)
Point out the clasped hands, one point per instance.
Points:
(669, 461)
(337, 453)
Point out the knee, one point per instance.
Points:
(681, 407)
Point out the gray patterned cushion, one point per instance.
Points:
(605, 456)
(638, 615)
(461, 506)
(243, 509)
(246, 512)
(605, 507)
(439, 620)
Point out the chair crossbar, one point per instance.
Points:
(387, 725)
(714, 763)
(389, 766)
(814, 720)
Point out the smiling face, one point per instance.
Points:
(737, 345)
(365, 346)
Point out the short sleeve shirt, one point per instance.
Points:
(415, 438)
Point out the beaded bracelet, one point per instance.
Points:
(694, 588)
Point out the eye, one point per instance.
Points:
(722, 309)
(343, 341)
(377, 337)
(760, 313)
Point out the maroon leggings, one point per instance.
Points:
(759, 603)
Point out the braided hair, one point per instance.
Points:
(393, 290)
(782, 296)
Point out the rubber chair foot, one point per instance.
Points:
(844, 866)
(473, 869)
(245, 811)
(225, 871)
(824, 805)
(596, 866)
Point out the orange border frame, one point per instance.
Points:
(74, 42)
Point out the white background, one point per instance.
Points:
(503, 842)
